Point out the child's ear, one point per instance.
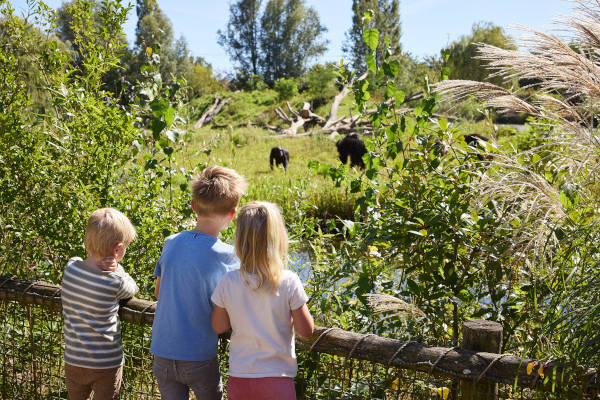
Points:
(232, 213)
(117, 249)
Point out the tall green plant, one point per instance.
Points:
(421, 237)
(85, 150)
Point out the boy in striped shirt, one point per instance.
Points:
(91, 291)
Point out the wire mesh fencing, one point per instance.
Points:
(333, 364)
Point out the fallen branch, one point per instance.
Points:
(213, 110)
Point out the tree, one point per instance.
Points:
(386, 20)
(154, 30)
(290, 37)
(462, 59)
(201, 79)
(241, 37)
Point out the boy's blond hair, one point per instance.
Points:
(217, 190)
(105, 228)
(261, 243)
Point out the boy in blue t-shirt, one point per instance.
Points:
(188, 270)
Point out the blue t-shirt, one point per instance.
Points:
(190, 266)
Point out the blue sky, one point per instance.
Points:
(427, 25)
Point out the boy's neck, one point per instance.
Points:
(211, 226)
(93, 262)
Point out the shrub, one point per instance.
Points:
(286, 88)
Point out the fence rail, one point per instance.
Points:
(418, 370)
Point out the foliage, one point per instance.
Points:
(319, 84)
(277, 44)
(201, 80)
(421, 235)
(386, 20)
(463, 62)
(290, 38)
(241, 37)
(84, 151)
(286, 88)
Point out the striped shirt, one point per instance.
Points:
(90, 300)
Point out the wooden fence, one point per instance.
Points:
(333, 363)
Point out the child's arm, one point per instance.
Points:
(157, 287)
(128, 285)
(303, 321)
(220, 320)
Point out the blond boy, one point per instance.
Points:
(90, 299)
(188, 270)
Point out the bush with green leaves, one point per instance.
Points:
(85, 151)
(286, 88)
(419, 235)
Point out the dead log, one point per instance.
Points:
(212, 111)
(295, 122)
(449, 362)
(337, 100)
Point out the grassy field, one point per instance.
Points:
(300, 191)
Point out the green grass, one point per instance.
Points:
(300, 191)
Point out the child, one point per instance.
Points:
(261, 303)
(188, 270)
(90, 299)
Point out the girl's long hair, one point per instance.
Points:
(261, 243)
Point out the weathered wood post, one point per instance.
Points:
(480, 335)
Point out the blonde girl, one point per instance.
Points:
(263, 303)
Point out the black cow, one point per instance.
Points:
(351, 146)
(279, 156)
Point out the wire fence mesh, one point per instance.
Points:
(31, 348)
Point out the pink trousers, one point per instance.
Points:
(272, 388)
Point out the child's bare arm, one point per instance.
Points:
(220, 320)
(157, 287)
(303, 321)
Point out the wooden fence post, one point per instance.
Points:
(480, 335)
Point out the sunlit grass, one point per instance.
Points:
(299, 191)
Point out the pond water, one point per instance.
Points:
(299, 262)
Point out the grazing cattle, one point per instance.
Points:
(473, 140)
(279, 156)
(351, 146)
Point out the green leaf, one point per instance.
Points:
(371, 63)
(445, 73)
(443, 124)
(159, 107)
(390, 90)
(391, 69)
(157, 127)
(399, 97)
(565, 201)
(371, 38)
(169, 116)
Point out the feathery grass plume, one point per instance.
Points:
(567, 85)
(548, 197)
(381, 303)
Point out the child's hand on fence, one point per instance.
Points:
(108, 264)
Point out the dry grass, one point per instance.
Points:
(567, 94)
(382, 303)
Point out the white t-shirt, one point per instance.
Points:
(262, 338)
